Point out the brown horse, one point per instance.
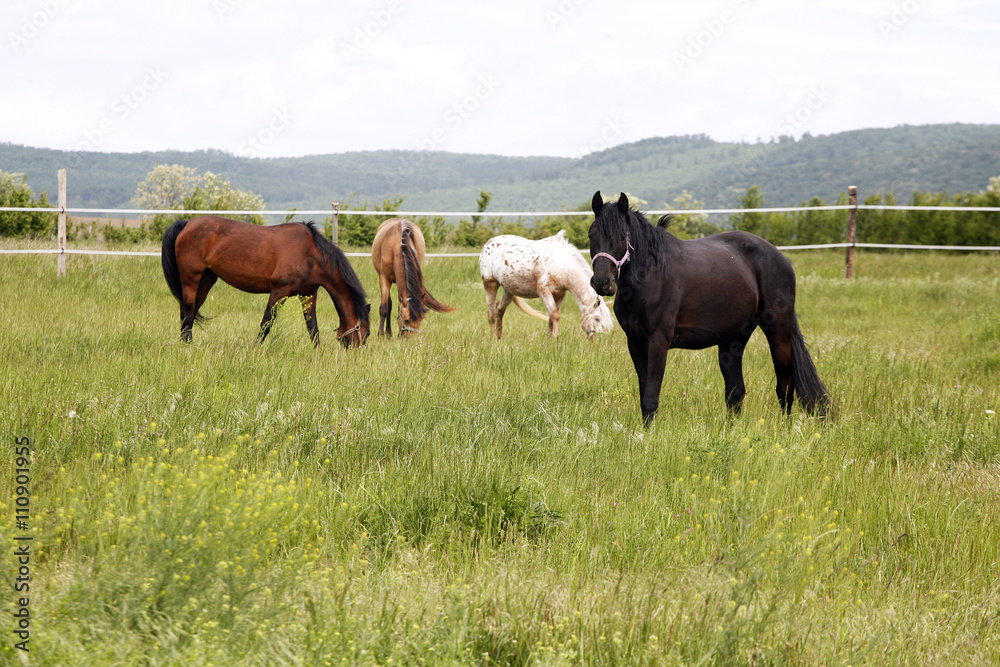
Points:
(293, 259)
(397, 252)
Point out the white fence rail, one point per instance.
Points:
(853, 208)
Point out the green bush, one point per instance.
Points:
(15, 191)
(924, 227)
(359, 230)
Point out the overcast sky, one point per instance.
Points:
(553, 77)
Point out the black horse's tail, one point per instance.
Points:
(168, 258)
(808, 387)
(420, 298)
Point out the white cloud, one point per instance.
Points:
(386, 73)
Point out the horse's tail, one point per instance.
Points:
(420, 298)
(808, 387)
(168, 258)
(523, 305)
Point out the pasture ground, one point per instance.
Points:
(453, 500)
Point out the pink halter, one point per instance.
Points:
(617, 262)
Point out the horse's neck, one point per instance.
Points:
(579, 284)
(655, 246)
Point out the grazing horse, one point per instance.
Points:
(547, 269)
(712, 291)
(397, 252)
(293, 259)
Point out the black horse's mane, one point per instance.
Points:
(649, 243)
(338, 260)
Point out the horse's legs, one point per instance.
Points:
(639, 351)
(385, 308)
(491, 287)
(552, 303)
(187, 313)
(194, 290)
(779, 339)
(656, 363)
(650, 359)
(187, 319)
(731, 365)
(273, 301)
(309, 312)
(505, 300)
(402, 292)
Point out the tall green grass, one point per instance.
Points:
(451, 499)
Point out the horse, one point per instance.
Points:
(547, 268)
(293, 259)
(397, 252)
(712, 291)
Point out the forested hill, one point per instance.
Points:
(931, 158)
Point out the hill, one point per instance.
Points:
(956, 158)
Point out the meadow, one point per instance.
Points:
(451, 499)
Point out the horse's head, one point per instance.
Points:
(597, 318)
(609, 242)
(411, 313)
(354, 335)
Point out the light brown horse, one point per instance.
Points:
(397, 252)
(293, 259)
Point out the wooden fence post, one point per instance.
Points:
(335, 232)
(61, 225)
(852, 229)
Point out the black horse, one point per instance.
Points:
(696, 294)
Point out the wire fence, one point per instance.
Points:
(510, 214)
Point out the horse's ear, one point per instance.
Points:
(623, 204)
(597, 203)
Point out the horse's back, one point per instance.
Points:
(724, 281)
(243, 254)
(508, 259)
(388, 238)
(523, 265)
(381, 244)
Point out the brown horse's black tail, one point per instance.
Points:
(420, 299)
(168, 258)
(808, 387)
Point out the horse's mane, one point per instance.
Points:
(573, 251)
(649, 243)
(414, 277)
(338, 261)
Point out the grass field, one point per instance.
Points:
(450, 499)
